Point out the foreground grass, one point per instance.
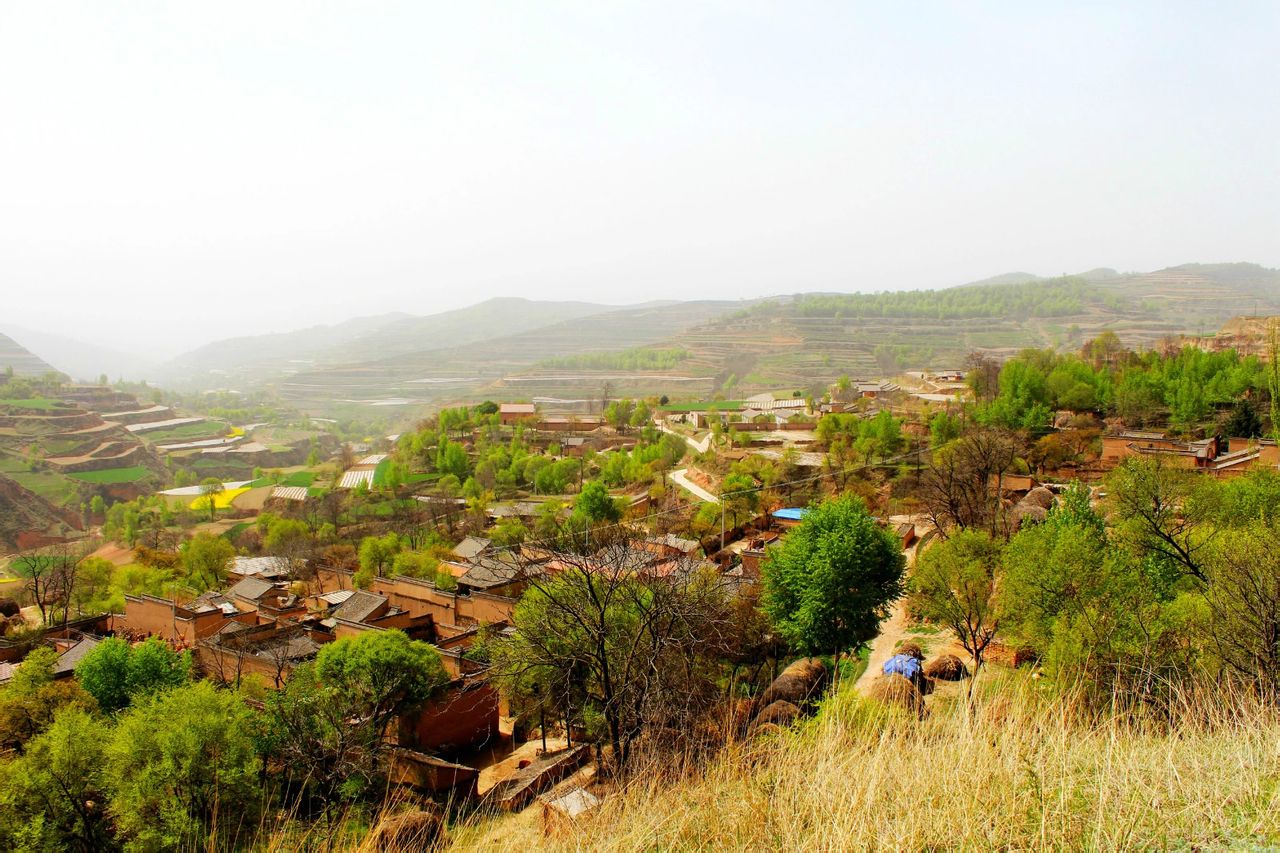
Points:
(1022, 771)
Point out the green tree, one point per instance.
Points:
(182, 769)
(206, 560)
(116, 674)
(377, 554)
(954, 583)
(831, 581)
(595, 506)
(210, 489)
(50, 797)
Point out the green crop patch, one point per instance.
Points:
(112, 476)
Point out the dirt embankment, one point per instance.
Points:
(24, 514)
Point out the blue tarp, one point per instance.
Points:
(790, 514)
(904, 665)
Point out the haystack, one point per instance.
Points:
(946, 668)
(911, 649)
(9, 607)
(1028, 514)
(898, 692)
(1039, 496)
(798, 683)
(781, 713)
(407, 830)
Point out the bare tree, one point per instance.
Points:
(621, 632)
(963, 482)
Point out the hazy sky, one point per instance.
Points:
(173, 173)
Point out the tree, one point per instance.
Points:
(92, 585)
(50, 798)
(210, 489)
(1244, 603)
(1244, 421)
(954, 583)
(609, 640)
(595, 506)
(116, 674)
(381, 675)
(206, 559)
(291, 540)
(182, 768)
(831, 581)
(377, 553)
(961, 485)
(740, 495)
(32, 699)
(327, 725)
(98, 506)
(1155, 514)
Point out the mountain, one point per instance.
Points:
(499, 365)
(22, 360)
(258, 357)
(1004, 278)
(80, 360)
(271, 357)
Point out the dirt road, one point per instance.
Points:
(678, 477)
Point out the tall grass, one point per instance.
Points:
(1021, 770)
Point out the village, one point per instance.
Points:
(439, 532)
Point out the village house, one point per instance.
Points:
(510, 414)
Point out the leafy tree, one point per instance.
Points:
(954, 583)
(1243, 599)
(1244, 421)
(381, 674)
(30, 701)
(594, 505)
(116, 674)
(182, 769)
(327, 725)
(377, 553)
(50, 797)
(831, 581)
(210, 488)
(206, 560)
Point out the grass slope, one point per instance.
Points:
(1021, 772)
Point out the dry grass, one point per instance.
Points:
(1021, 771)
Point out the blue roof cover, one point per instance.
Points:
(791, 513)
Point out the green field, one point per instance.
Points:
(111, 476)
(57, 489)
(380, 473)
(298, 478)
(714, 406)
(184, 432)
(43, 404)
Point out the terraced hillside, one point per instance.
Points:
(798, 342)
(58, 452)
(504, 367)
(268, 358)
(22, 360)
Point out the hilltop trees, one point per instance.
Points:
(830, 582)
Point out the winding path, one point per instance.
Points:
(678, 477)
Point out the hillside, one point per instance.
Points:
(270, 357)
(515, 348)
(503, 366)
(1022, 772)
(22, 360)
(80, 360)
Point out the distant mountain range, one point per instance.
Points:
(505, 348)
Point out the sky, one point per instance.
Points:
(176, 173)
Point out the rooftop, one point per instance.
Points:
(359, 606)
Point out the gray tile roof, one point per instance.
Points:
(67, 660)
(251, 589)
(359, 606)
(470, 547)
